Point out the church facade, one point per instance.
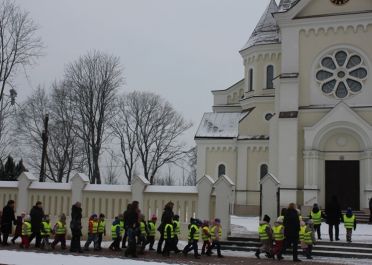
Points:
(302, 111)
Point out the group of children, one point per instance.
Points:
(273, 238)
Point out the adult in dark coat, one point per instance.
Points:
(132, 224)
(166, 218)
(291, 224)
(125, 216)
(7, 220)
(333, 217)
(36, 215)
(75, 226)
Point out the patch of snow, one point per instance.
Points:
(82, 176)
(30, 258)
(172, 189)
(107, 187)
(219, 125)
(50, 186)
(9, 184)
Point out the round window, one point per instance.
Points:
(341, 74)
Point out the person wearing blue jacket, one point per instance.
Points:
(116, 235)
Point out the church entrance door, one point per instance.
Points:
(342, 180)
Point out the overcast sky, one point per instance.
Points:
(181, 49)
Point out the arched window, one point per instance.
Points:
(264, 169)
(250, 79)
(221, 170)
(269, 76)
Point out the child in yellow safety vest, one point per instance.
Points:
(26, 232)
(278, 235)
(177, 232)
(349, 223)
(59, 231)
(45, 232)
(193, 237)
(168, 238)
(101, 230)
(116, 235)
(265, 233)
(92, 232)
(216, 234)
(316, 215)
(308, 239)
(143, 231)
(152, 231)
(206, 237)
(302, 235)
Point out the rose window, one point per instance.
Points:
(341, 74)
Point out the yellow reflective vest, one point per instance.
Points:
(47, 229)
(302, 232)
(113, 231)
(101, 226)
(60, 228)
(213, 232)
(262, 232)
(177, 227)
(317, 217)
(26, 229)
(152, 229)
(349, 221)
(196, 235)
(278, 232)
(205, 233)
(168, 226)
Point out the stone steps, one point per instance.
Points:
(322, 248)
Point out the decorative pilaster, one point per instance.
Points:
(204, 186)
(24, 182)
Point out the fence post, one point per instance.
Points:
(204, 186)
(24, 182)
(78, 183)
(224, 198)
(139, 184)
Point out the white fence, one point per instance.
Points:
(208, 200)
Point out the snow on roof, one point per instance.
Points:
(219, 125)
(267, 30)
(82, 176)
(8, 184)
(50, 186)
(172, 189)
(106, 187)
(285, 5)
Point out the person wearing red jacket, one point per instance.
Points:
(92, 232)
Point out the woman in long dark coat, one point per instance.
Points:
(165, 219)
(75, 225)
(333, 218)
(7, 220)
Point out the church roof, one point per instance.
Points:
(285, 5)
(219, 125)
(267, 30)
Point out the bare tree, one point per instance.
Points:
(167, 180)
(112, 174)
(124, 126)
(157, 128)
(93, 79)
(191, 178)
(19, 46)
(64, 153)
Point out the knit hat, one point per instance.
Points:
(349, 211)
(93, 215)
(154, 218)
(217, 220)
(266, 218)
(176, 217)
(28, 218)
(280, 219)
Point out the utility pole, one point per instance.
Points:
(44, 138)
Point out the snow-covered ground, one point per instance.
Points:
(30, 258)
(249, 225)
(240, 226)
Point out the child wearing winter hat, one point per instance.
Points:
(193, 237)
(206, 237)
(177, 231)
(266, 234)
(151, 224)
(116, 235)
(92, 232)
(18, 230)
(45, 232)
(101, 230)
(278, 235)
(216, 234)
(60, 232)
(349, 223)
(309, 239)
(26, 232)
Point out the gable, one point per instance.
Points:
(317, 8)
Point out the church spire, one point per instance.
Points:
(267, 30)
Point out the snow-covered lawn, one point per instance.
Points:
(30, 258)
(249, 226)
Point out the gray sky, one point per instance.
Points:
(181, 49)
